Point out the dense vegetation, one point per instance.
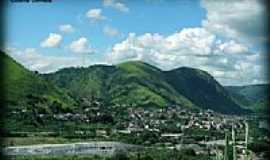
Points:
(202, 89)
(28, 91)
(35, 100)
(21, 86)
(129, 84)
(252, 97)
(139, 84)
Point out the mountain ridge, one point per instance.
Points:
(254, 97)
(142, 81)
(133, 83)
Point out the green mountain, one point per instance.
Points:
(254, 97)
(202, 89)
(127, 84)
(132, 83)
(250, 92)
(139, 84)
(23, 87)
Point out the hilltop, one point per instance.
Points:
(137, 83)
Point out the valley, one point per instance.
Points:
(183, 112)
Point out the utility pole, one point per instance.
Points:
(226, 150)
(246, 135)
(234, 144)
(246, 141)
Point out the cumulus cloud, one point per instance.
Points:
(110, 31)
(192, 47)
(223, 46)
(258, 57)
(66, 28)
(95, 14)
(53, 40)
(232, 47)
(32, 59)
(243, 20)
(116, 5)
(180, 45)
(81, 45)
(193, 40)
(249, 72)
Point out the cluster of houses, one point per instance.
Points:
(138, 119)
(171, 123)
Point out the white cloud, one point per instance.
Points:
(53, 40)
(66, 28)
(243, 20)
(192, 47)
(32, 59)
(95, 14)
(116, 5)
(80, 45)
(248, 72)
(110, 31)
(231, 47)
(193, 40)
(255, 57)
(159, 49)
(217, 73)
(231, 59)
(177, 47)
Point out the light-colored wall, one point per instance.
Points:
(94, 148)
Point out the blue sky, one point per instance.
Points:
(164, 33)
(39, 19)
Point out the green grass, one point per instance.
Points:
(20, 82)
(127, 83)
(17, 141)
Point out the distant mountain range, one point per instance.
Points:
(128, 84)
(253, 97)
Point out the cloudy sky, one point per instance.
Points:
(225, 38)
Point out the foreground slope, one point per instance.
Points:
(21, 86)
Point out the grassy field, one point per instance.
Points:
(16, 141)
